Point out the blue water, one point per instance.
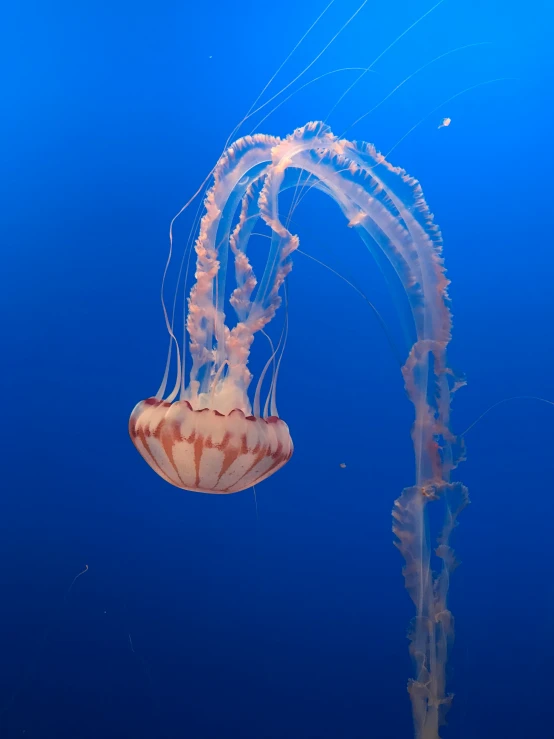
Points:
(199, 616)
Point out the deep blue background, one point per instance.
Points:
(195, 618)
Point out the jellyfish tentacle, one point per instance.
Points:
(433, 625)
(235, 171)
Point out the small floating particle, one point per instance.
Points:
(342, 464)
(445, 122)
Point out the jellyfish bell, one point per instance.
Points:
(207, 451)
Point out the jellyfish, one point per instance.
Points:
(445, 123)
(211, 435)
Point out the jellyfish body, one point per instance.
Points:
(214, 438)
(206, 451)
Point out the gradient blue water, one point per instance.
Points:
(195, 618)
